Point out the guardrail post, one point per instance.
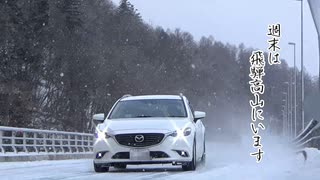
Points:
(88, 143)
(35, 144)
(13, 142)
(69, 143)
(61, 142)
(91, 143)
(54, 137)
(76, 138)
(82, 143)
(45, 142)
(24, 142)
(1, 146)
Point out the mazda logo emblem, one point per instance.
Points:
(139, 138)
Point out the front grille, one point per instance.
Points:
(149, 139)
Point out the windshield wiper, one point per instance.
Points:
(176, 116)
(143, 116)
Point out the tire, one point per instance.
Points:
(191, 166)
(120, 166)
(99, 168)
(203, 157)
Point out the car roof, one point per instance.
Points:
(127, 98)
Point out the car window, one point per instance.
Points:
(149, 108)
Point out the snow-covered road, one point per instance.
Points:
(224, 161)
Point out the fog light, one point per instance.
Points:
(182, 153)
(99, 155)
(174, 163)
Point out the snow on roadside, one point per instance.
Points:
(225, 161)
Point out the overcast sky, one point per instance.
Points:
(235, 22)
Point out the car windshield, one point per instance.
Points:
(149, 108)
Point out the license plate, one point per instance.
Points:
(140, 154)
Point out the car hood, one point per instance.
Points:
(144, 125)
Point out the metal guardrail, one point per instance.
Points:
(309, 138)
(312, 124)
(311, 133)
(24, 140)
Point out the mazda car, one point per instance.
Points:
(149, 129)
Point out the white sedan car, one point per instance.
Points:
(153, 129)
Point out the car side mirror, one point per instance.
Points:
(199, 115)
(98, 118)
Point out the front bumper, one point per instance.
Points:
(175, 150)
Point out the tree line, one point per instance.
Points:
(62, 61)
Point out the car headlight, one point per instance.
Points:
(187, 131)
(180, 132)
(173, 134)
(101, 135)
(107, 135)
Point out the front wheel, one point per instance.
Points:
(191, 166)
(203, 158)
(99, 168)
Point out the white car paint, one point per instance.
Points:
(164, 125)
